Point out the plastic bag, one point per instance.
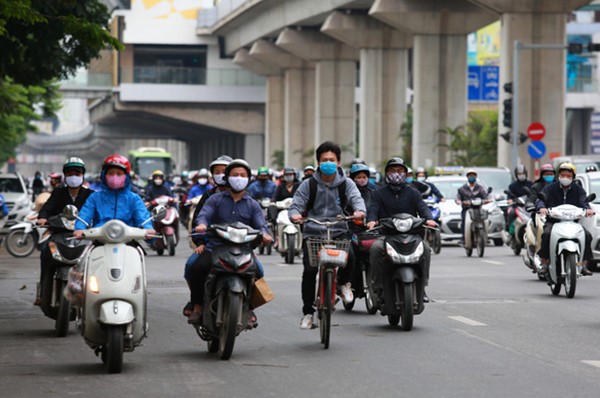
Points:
(74, 290)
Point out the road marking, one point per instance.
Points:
(492, 262)
(467, 321)
(593, 363)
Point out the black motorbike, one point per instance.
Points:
(362, 277)
(403, 271)
(229, 287)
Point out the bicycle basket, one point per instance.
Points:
(331, 253)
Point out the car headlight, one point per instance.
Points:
(114, 232)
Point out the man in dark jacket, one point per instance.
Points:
(157, 187)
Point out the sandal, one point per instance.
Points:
(38, 301)
(252, 320)
(195, 318)
(188, 309)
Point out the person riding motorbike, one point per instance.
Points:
(263, 187)
(225, 208)
(285, 190)
(547, 175)
(309, 172)
(201, 186)
(156, 187)
(359, 173)
(396, 196)
(470, 190)
(520, 187)
(422, 178)
(561, 192)
(331, 191)
(73, 194)
(55, 181)
(37, 185)
(371, 184)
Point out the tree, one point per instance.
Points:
(406, 130)
(475, 146)
(277, 159)
(41, 41)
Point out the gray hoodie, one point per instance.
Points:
(327, 203)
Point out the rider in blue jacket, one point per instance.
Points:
(263, 187)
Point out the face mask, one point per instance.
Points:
(472, 179)
(238, 184)
(328, 168)
(421, 179)
(361, 182)
(218, 178)
(565, 182)
(409, 180)
(288, 178)
(395, 178)
(202, 181)
(115, 182)
(158, 182)
(548, 179)
(521, 177)
(74, 181)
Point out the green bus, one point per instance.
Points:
(145, 160)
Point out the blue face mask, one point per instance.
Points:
(328, 168)
(472, 179)
(408, 180)
(548, 179)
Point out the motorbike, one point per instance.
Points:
(476, 227)
(532, 242)
(24, 237)
(433, 236)
(289, 234)
(262, 248)
(65, 253)
(167, 227)
(516, 241)
(362, 277)
(403, 282)
(112, 313)
(229, 287)
(567, 245)
(184, 205)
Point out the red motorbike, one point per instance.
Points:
(168, 227)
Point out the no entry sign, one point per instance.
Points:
(536, 131)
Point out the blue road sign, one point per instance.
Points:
(536, 149)
(483, 83)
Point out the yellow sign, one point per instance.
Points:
(488, 44)
(168, 9)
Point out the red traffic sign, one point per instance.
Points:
(536, 131)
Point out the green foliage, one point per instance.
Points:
(406, 131)
(477, 145)
(277, 159)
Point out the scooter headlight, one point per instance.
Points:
(403, 225)
(94, 288)
(114, 232)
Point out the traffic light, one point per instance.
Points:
(508, 106)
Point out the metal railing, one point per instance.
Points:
(85, 79)
(186, 75)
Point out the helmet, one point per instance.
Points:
(74, 163)
(184, 174)
(520, 169)
(116, 161)
(309, 168)
(409, 170)
(222, 160)
(372, 172)
(263, 171)
(203, 173)
(591, 168)
(238, 163)
(421, 170)
(55, 176)
(470, 171)
(568, 166)
(547, 167)
(358, 168)
(357, 161)
(395, 161)
(289, 170)
(158, 174)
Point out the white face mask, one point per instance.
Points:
(202, 181)
(74, 181)
(565, 181)
(288, 178)
(421, 179)
(158, 182)
(218, 178)
(521, 177)
(238, 184)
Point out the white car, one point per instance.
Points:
(591, 183)
(18, 200)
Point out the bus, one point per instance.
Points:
(145, 160)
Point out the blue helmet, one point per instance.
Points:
(358, 168)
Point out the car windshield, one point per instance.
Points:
(595, 188)
(449, 188)
(582, 166)
(12, 185)
(499, 181)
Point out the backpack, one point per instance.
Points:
(312, 185)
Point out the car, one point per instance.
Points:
(581, 163)
(450, 219)
(591, 183)
(18, 200)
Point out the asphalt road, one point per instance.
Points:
(492, 330)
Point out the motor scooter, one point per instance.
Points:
(433, 235)
(289, 234)
(533, 242)
(111, 315)
(362, 276)
(167, 227)
(262, 248)
(24, 237)
(516, 241)
(476, 227)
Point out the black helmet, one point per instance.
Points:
(520, 169)
(237, 163)
(289, 170)
(395, 161)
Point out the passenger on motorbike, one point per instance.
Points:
(396, 196)
(465, 194)
(263, 187)
(359, 173)
(115, 201)
(201, 186)
(225, 208)
(156, 187)
(309, 172)
(332, 191)
(422, 178)
(561, 192)
(285, 190)
(73, 194)
(372, 186)
(55, 181)
(547, 175)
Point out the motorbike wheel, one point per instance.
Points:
(213, 345)
(20, 244)
(171, 245)
(393, 320)
(369, 294)
(327, 307)
(437, 242)
(64, 314)
(291, 249)
(480, 243)
(408, 300)
(228, 332)
(554, 287)
(571, 275)
(114, 349)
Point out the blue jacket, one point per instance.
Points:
(3, 206)
(198, 190)
(110, 204)
(259, 191)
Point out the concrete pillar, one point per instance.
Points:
(335, 83)
(292, 97)
(383, 81)
(440, 66)
(541, 72)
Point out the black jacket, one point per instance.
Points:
(154, 191)
(556, 196)
(386, 202)
(60, 198)
(517, 189)
(282, 193)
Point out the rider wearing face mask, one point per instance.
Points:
(157, 187)
(547, 175)
(562, 192)
(422, 178)
(226, 207)
(71, 194)
(520, 187)
(202, 186)
(471, 190)
(263, 187)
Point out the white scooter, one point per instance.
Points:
(533, 242)
(112, 314)
(289, 235)
(476, 227)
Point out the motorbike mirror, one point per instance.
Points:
(70, 212)
(506, 191)
(591, 197)
(527, 190)
(541, 196)
(159, 213)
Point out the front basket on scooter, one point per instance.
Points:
(332, 252)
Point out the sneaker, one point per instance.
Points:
(425, 297)
(306, 322)
(585, 271)
(346, 293)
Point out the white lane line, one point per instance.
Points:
(467, 321)
(492, 262)
(593, 363)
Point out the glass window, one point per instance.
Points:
(11, 185)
